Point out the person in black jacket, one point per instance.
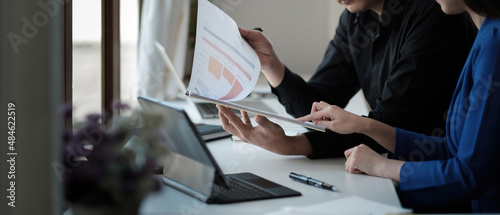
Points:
(404, 55)
(464, 166)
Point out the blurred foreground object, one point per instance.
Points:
(101, 176)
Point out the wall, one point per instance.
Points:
(300, 30)
(31, 74)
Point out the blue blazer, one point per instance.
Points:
(465, 165)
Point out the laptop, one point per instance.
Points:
(191, 168)
(207, 110)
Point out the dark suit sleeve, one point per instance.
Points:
(418, 90)
(331, 144)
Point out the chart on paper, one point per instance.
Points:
(225, 67)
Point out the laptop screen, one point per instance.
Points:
(190, 162)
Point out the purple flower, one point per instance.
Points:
(99, 171)
(117, 105)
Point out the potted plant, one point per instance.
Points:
(108, 169)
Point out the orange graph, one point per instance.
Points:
(214, 67)
(228, 75)
(218, 70)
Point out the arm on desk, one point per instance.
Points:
(343, 122)
(360, 159)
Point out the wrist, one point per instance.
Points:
(275, 73)
(299, 145)
(389, 169)
(366, 125)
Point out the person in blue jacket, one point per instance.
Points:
(465, 165)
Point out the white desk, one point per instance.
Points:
(242, 157)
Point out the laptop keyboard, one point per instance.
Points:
(210, 111)
(239, 190)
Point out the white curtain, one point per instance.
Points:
(165, 21)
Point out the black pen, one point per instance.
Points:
(311, 181)
(258, 29)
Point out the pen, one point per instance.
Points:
(311, 181)
(258, 29)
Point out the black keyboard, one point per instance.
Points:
(210, 111)
(238, 190)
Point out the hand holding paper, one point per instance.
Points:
(272, 67)
(266, 134)
(225, 67)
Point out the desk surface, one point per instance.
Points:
(242, 157)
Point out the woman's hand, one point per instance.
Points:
(362, 159)
(338, 120)
(334, 118)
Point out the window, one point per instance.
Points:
(104, 55)
(86, 58)
(129, 32)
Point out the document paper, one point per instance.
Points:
(225, 66)
(347, 205)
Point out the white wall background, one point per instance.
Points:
(300, 30)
